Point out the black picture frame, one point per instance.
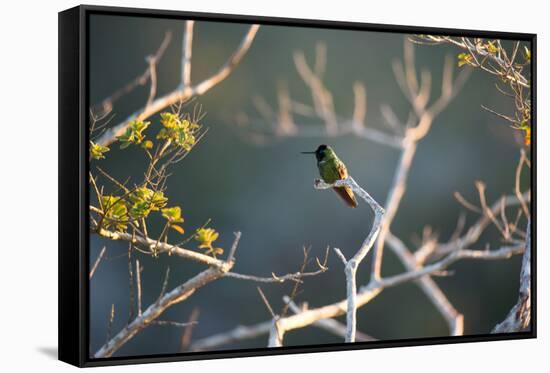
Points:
(73, 181)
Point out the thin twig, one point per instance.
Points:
(455, 320)
(369, 292)
(266, 302)
(188, 331)
(138, 286)
(183, 95)
(173, 323)
(418, 98)
(168, 299)
(97, 261)
(107, 104)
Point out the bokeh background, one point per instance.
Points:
(265, 191)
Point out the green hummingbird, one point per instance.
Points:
(331, 169)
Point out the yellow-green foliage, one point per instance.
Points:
(134, 133)
(97, 151)
(115, 213)
(178, 136)
(145, 200)
(180, 131)
(173, 215)
(464, 59)
(206, 237)
(522, 119)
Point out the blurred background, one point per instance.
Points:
(265, 190)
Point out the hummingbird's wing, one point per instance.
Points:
(345, 192)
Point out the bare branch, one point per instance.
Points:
(519, 317)
(392, 204)
(352, 265)
(239, 333)
(106, 105)
(369, 292)
(266, 302)
(418, 98)
(474, 232)
(391, 119)
(233, 61)
(522, 160)
(360, 106)
(297, 276)
(186, 55)
(162, 247)
(233, 249)
(454, 319)
(322, 98)
(153, 88)
(97, 261)
(188, 331)
(182, 95)
(131, 308)
(177, 295)
(166, 300)
(173, 323)
(138, 285)
(330, 325)
(306, 317)
(111, 321)
(465, 203)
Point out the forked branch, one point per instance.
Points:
(352, 264)
(184, 92)
(519, 317)
(166, 300)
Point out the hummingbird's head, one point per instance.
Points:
(321, 152)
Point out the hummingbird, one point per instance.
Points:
(331, 169)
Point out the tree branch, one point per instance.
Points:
(352, 264)
(418, 98)
(181, 93)
(162, 247)
(107, 104)
(519, 317)
(369, 292)
(97, 261)
(454, 319)
(176, 295)
(186, 55)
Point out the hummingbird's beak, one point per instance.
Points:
(308, 152)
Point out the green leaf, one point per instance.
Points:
(133, 134)
(172, 214)
(464, 59)
(145, 200)
(97, 151)
(140, 210)
(169, 120)
(206, 237)
(526, 54)
(181, 131)
(115, 213)
(491, 47)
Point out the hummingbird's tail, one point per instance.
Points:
(347, 195)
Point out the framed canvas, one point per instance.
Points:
(234, 186)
